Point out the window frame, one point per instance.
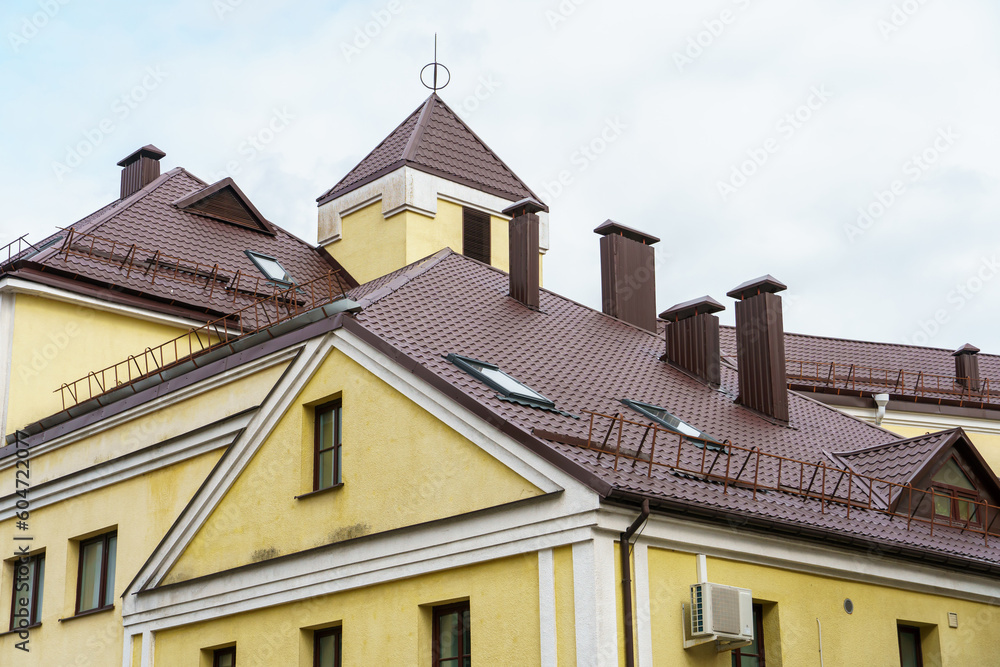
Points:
(104, 538)
(901, 629)
(464, 651)
(646, 410)
(956, 494)
(318, 635)
(221, 653)
(254, 255)
(758, 629)
(336, 408)
(35, 604)
(466, 364)
(475, 219)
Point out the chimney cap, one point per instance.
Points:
(968, 348)
(149, 150)
(611, 227)
(526, 205)
(766, 283)
(701, 305)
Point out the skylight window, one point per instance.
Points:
(491, 375)
(270, 267)
(664, 418)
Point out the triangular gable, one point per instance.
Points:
(435, 140)
(226, 202)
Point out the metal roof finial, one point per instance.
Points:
(435, 87)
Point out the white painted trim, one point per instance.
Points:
(127, 649)
(7, 303)
(148, 648)
(223, 477)
(409, 189)
(21, 286)
(799, 556)
(547, 609)
(218, 380)
(130, 465)
(641, 623)
(930, 421)
(594, 601)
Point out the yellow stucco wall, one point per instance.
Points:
(866, 637)
(57, 342)
(562, 561)
(401, 466)
(142, 509)
(386, 624)
(372, 246)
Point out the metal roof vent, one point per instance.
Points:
(967, 366)
(628, 274)
(524, 272)
(140, 169)
(692, 335)
(760, 347)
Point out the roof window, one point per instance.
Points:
(491, 375)
(270, 267)
(664, 418)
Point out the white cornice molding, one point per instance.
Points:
(409, 189)
(930, 421)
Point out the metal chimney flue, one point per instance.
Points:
(760, 347)
(692, 336)
(967, 366)
(140, 169)
(628, 274)
(523, 237)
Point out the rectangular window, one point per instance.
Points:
(752, 655)
(909, 646)
(326, 464)
(326, 647)
(476, 234)
(452, 645)
(26, 599)
(96, 575)
(224, 657)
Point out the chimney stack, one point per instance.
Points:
(140, 169)
(524, 273)
(967, 366)
(692, 335)
(628, 274)
(760, 347)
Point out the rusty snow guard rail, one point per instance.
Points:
(650, 448)
(13, 251)
(272, 315)
(135, 261)
(855, 377)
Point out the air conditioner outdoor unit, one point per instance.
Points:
(724, 613)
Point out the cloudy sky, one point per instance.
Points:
(849, 148)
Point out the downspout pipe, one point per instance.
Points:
(627, 582)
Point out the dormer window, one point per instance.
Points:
(954, 494)
(491, 375)
(270, 267)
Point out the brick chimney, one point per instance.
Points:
(524, 273)
(140, 169)
(967, 366)
(692, 335)
(760, 347)
(628, 274)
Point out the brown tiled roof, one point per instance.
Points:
(584, 360)
(151, 221)
(895, 462)
(434, 139)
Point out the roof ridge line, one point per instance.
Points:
(896, 443)
(406, 275)
(418, 131)
(110, 213)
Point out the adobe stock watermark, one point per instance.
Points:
(224, 7)
(584, 156)
(121, 109)
(32, 25)
(900, 15)
(563, 11)
(254, 144)
(714, 28)
(364, 34)
(957, 299)
(786, 127)
(484, 90)
(913, 169)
